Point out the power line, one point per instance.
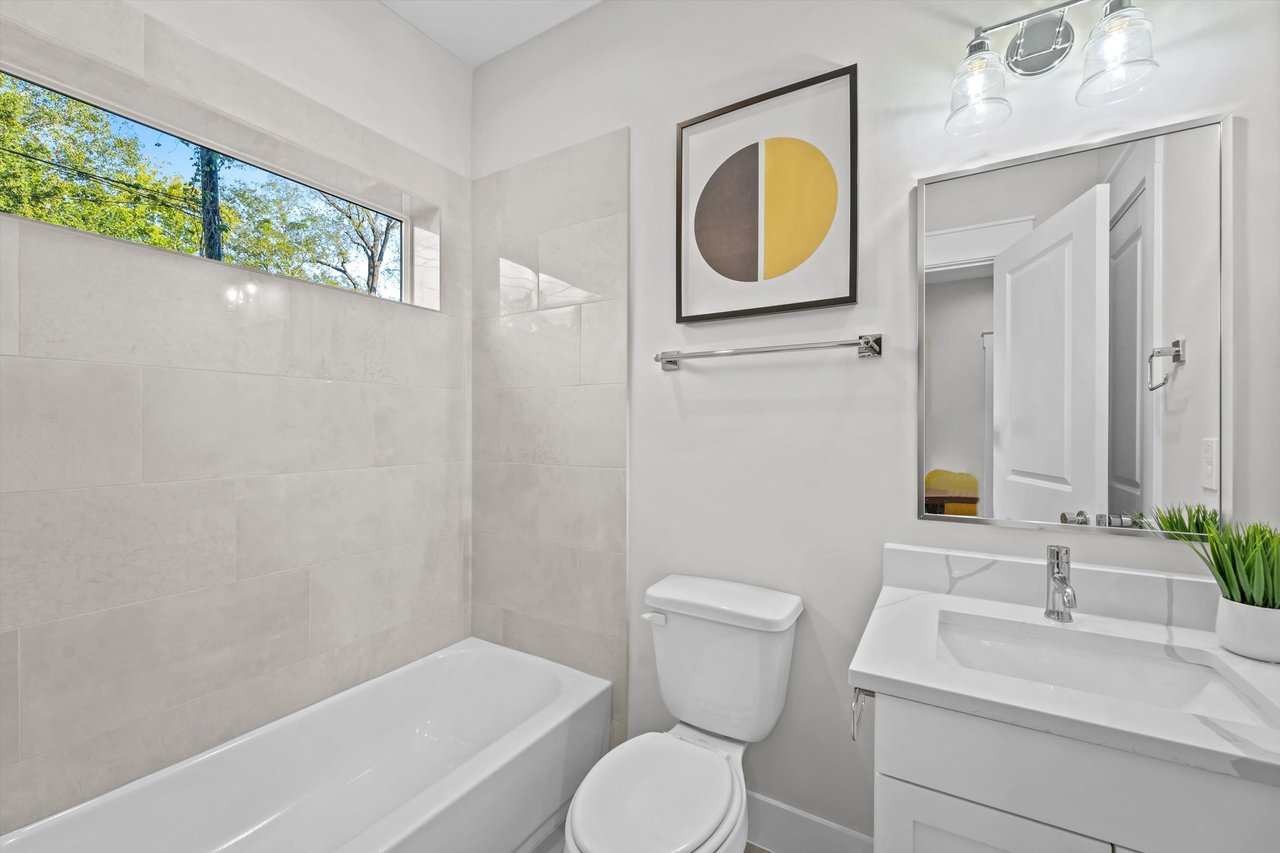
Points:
(156, 194)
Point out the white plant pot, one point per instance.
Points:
(1250, 631)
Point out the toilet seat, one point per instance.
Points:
(657, 793)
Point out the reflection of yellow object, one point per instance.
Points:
(799, 203)
(950, 492)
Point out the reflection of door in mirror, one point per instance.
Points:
(1133, 475)
(1051, 365)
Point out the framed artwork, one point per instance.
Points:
(766, 202)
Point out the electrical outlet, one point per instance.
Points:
(1209, 464)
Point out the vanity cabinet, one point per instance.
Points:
(911, 819)
(954, 782)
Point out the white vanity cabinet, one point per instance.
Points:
(911, 819)
(951, 782)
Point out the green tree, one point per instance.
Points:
(62, 162)
(274, 227)
(363, 246)
(69, 163)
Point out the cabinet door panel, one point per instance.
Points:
(910, 819)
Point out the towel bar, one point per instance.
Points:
(868, 346)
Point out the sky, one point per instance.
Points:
(172, 156)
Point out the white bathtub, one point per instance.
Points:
(474, 748)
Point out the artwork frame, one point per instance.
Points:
(702, 259)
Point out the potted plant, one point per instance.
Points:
(1245, 560)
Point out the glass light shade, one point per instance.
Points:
(1118, 59)
(977, 95)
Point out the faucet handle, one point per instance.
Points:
(1058, 556)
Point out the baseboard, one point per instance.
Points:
(779, 827)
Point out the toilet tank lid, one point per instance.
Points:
(725, 601)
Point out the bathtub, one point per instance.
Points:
(474, 749)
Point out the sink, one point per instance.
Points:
(1072, 658)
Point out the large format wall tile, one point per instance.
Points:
(10, 697)
(528, 349)
(362, 595)
(584, 507)
(294, 520)
(93, 298)
(604, 342)
(581, 589)
(586, 262)
(576, 184)
(75, 772)
(549, 409)
(73, 551)
(504, 498)
(569, 425)
(9, 302)
(365, 339)
(67, 424)
(92, 673)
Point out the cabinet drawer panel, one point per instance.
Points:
(911, 819)
(1131, 800)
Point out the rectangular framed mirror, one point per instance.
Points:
(1071, 334)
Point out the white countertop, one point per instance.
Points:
(899, 655)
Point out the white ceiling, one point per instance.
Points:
(476, 31)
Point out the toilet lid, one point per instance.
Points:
(653, 794)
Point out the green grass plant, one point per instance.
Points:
(1244, 558)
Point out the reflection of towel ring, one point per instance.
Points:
(1177, 352)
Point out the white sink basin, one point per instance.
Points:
(1165, 675)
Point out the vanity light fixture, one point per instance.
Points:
(1118, 62)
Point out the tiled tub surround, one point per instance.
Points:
(549, 296)
(209, 516)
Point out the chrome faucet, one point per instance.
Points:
(1060, 597)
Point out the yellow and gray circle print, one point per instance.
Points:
(797, 190)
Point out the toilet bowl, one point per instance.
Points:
(723, 656)
(680, 791)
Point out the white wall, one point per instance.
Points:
(358, 58)
(791, 471)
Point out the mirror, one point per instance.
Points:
(1070, 348)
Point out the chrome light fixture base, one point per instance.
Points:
(1040, 45)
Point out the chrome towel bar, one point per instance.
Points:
(868, 346)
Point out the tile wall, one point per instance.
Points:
(210, 514)
(549, 353)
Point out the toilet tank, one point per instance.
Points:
(723, 652)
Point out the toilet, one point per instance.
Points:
(723, 655)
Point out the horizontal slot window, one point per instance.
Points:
(68, 162)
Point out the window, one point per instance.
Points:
(70, 163)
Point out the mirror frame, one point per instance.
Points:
(1225, 123)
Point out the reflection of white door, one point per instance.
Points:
(1134, 471)
(1130, 457)
(1050, 366)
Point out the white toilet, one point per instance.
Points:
(723, 654)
